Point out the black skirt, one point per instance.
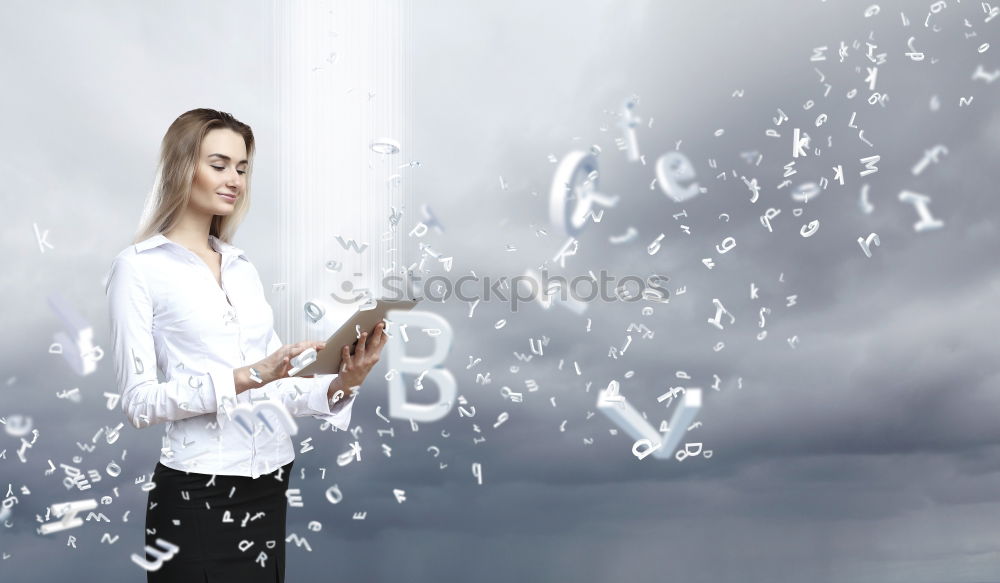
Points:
(229, 529)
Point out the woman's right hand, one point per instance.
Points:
(277, 365)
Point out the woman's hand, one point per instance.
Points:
(277, 365)
(354, 368)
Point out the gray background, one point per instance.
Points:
(867, 453)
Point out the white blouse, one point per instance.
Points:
(168, 312)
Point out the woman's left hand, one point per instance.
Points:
(354, 368)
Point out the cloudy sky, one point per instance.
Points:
(865, 451)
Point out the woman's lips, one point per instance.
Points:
(227, 197)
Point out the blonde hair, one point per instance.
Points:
(175, 172)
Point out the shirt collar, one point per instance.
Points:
(161, 239)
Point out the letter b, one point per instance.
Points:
(415, 365)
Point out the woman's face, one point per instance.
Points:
(220, 170)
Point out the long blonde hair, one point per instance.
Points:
(179, 152)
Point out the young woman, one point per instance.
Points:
(184, 300)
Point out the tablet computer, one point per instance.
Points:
(328, 360)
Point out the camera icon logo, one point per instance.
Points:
(349, 293)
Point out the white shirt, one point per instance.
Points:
(168, 312)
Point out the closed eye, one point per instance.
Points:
(221, 168)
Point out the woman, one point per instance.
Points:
(184, 300)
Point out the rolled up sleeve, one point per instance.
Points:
(337, 414)
(144, 400)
